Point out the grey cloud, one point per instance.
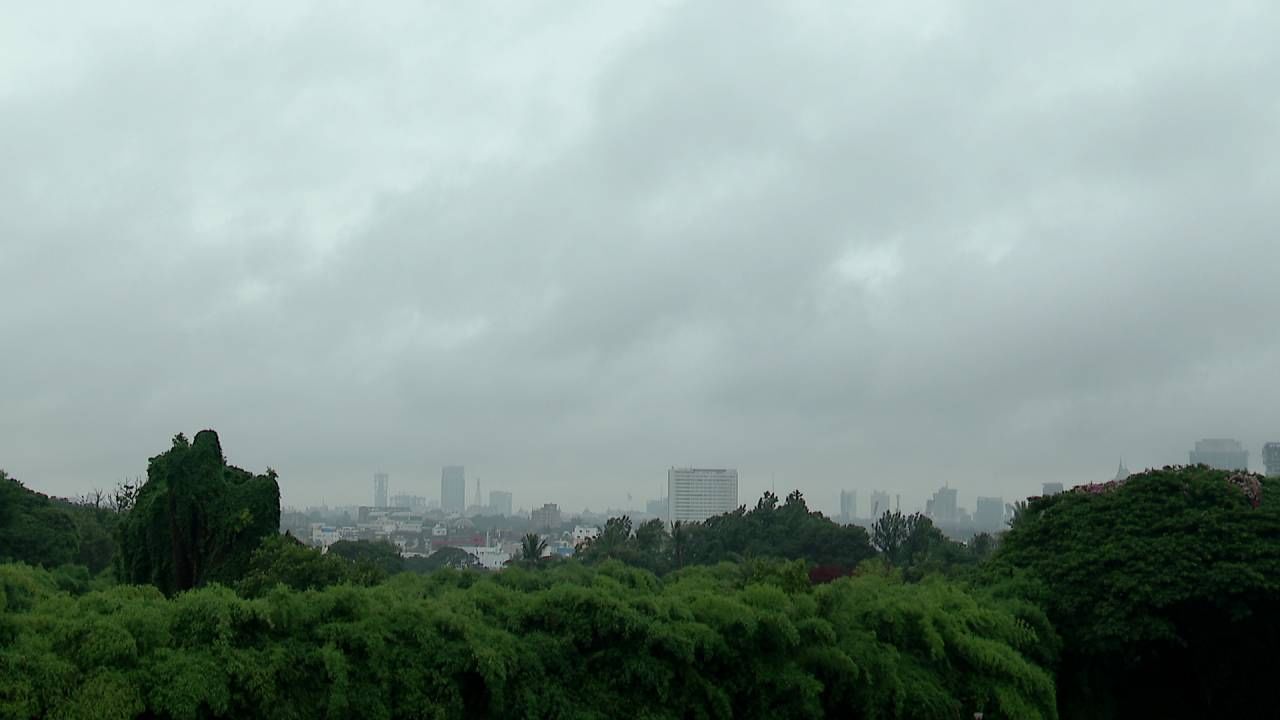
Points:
(881, 247)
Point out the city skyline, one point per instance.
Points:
(832, 506)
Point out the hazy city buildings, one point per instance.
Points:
(381, 486)
(879, 504)
(546, 517)
(453, 489)
(988, 514)
(413, 502)
(1271, 458)
(942, 506)
(1220, 454)
(695, 494)
(1052, 488)
(1122, 472)
(657, 508)
(500, 503)
(848, 506)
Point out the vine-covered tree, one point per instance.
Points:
(196, 520)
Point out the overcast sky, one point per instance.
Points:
(834, 245)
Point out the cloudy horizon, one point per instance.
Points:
(569, 247)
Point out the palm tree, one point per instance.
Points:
(531, 549)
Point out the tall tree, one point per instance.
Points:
(196, 519)
(889, 534)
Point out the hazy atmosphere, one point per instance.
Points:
(569, 246)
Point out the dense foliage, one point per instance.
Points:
(788, 531)
(196, 520)
(913, 544)
(745, 641)
(282, 560)
(40, 530)
(1158, 596)
(1165, 589)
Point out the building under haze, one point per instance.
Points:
(848, 506)
(942, 506)
(1050, 488)
(695, 494)
(1220, 454)
(545, 518)
(879, 504)
(500, 503)
(1271, 458)
(453, 489)
(657, 508)
(1122, 472)
(381, 487)
(416, 503)
(988, 514)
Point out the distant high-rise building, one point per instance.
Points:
(943, 506)
(1051, 488)
(656, 507)
(381, 486)
(500, 503)
(988, 514)
(695, 494)
(879, 504)
(1220, 454)
(413, 502)
(546, 517)
(1271, 458)
(848, 506)
(453, 489)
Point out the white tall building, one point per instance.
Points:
(695, 494)
(381, 486)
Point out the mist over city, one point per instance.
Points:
(573, 247)
(900, 303)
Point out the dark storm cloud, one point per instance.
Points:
(866, 248)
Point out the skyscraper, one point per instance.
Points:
(848, 506)
(500, 503)
(1271, 458)
(1050, 488)
(988, 514)
(453, 489)
(1220, 454)
(879, 504)
(695, 494)
(943, 506)
(381, 487)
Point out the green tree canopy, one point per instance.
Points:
(196, 520)
(726, 641)
(378, 554)
(1165, 588)
(283, 560)
(46, 531)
